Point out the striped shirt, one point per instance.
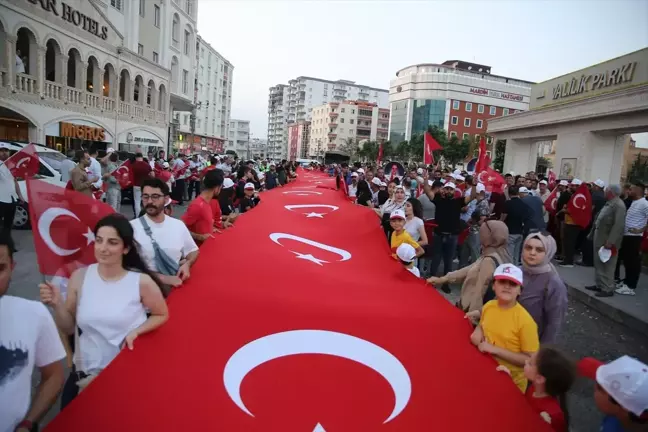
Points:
(636, 217)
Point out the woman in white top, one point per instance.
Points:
(106, 303)
(414, 221)
(395, 202)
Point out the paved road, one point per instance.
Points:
(587, 334)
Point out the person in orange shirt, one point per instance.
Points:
(199, 217)
(399, 235)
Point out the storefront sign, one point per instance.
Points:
(496, 94)
(87, 133)
(592, 82)
(137, 139)
(73, 16)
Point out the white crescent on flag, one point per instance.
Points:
(324, 342)
(554, 203)
(302, 192)
(580, 195)
(22, 161)
(45, 224)
(345, 255)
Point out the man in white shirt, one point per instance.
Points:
(171, 235)
(95, 168)
(353, 186)
(636, 222)
(66, 166)
(28, 339)
(9, 192)
(20, 65)
(179, 188)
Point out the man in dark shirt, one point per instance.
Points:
(516, 215)
(448, 210)
(536, 219)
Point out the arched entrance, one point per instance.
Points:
(14, 126)
(162, 99)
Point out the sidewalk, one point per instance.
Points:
(631, 311)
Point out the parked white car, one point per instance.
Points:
(48, 170)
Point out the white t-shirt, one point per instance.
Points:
(636, 217)
(7, 185)
(95, 170)
(415, 271)
(172, 236)
(28, 339)
(353, 190)
(412, 227)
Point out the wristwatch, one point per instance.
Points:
(28, 424)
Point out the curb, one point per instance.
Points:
(618, 315)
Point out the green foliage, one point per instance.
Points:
(368, 151)
(639, 170)
(500, 151)
(351, 148)
(455, 151)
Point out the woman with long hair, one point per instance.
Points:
(106, 304)
(363, 194)
(414, 221)
(545, 294)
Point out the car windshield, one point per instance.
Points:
(54, 159)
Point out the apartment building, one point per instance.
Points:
(335, 124)
(239, 138)
(298, 140)
(305, 93)
(277, 120)
(97, 65)
(212, 90)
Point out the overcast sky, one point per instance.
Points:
(271, 42)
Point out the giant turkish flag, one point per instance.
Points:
(312, 326)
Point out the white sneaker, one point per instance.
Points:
(619, 284)
(625, 290)
(566, 265)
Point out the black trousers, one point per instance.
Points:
(179, 191)
(630, 255)
(7, 213)
(571, 237)
(194, 185)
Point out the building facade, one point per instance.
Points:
(305, 93)
(277, 120)
(239, 138)
(335, 124)
(458, 96)
(298, 140)
(206, 126)
(77, 74)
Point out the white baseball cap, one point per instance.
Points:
(576, 182)
(523, 190)
(355, 174)
(419, 171)
(600, 183)
(456, 172)
(563, 183)
(397, 214)
(249, 186)
(449, 185)
(624, 379)
(376, 181)
(508, 272)
(110, 150)
(165, 165)
(406, 252)
(544, 182)
(228, 183)
(361, 171)
(383, 184)
(480, 187)
(460, 178)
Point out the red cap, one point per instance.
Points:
(588, 366)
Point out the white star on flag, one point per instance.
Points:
(309, 257)
(315, 215)
(90, 237)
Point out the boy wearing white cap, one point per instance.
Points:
(399, 235)
(406, 255)
(621, 392)
(249, 199)
(506, 330)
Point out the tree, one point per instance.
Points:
(369, 151)
(639, 170)
(455, 151)
(350, 147)
(500, 152)
(416, 145)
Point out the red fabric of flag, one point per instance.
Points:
(492, 180)
(24, 163)
(430, 145)
(162, 174)
(63, 222)
(580, 206)
(124, 175)
(482, 161)
(551, 203)
(380, 154)
(322, 331)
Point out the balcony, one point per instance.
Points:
(333, 114)
(364, 127)
(332, 125)
(363, 116)
(332, 135)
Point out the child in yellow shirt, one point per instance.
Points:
(399, 236)
(506, 330)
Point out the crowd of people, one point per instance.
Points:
(429, 217)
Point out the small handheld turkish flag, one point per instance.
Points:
(482, 160)
(123, 175)
(580, 206)
(492, 180)
(380, 154)
(25, 163)
(162, 174)
(430, 145)
(551, 203)
(63, 222)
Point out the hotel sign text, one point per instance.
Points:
(594, 82)
(73, 16)
(499, 95)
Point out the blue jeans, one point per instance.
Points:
(444, 246)
(515, 247)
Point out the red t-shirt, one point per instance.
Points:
(140, 171)
(198, 217)
(548, 408)
(216, 213)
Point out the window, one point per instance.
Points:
(456, 104)
(480, 124)
(342, 120)
(454, 120)
(493, 110)
(477, 138)
(141, 8)
(189, 7)
(480, 109)
(506, 111)
(117, 4)
(140, 49)
(186, 118)
(351, 121)
(156, 16)
(453, 134)
(202, 52)
(467, 122)
(185, 81)
(464, 136)
(187, 44)
(468, 107)
(352, 111)
(489, 140)
(156, 57)
(175, 28)
(342, 110)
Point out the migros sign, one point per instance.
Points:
(88, 133)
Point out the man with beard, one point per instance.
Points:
(79, 177)
(199, 216)
(174, 251)
(28, 339)
(9, 192)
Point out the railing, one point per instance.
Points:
(74, 96)
(124, 108)
(53, 90)
(108, 104)
(92, 100)
(25, 83)
(150, 114)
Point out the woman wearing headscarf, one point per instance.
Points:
(478, 276)
(395, 202)
(544, 295)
